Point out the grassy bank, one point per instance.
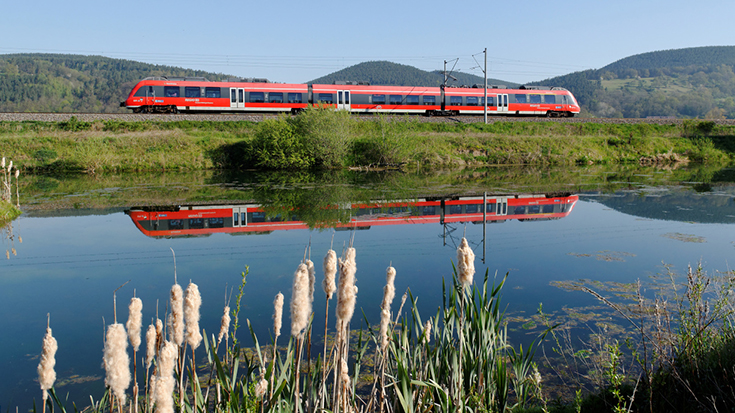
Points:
(327, 139)
(8, 212)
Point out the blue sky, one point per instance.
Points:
(289, 41)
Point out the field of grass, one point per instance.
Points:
(325, 139)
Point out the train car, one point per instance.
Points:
(173, 95)
(188, 221)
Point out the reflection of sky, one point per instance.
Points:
(70, 267)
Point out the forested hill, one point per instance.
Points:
(394, 74)
(696, 82)
(73, 83)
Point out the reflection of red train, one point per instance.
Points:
(236, 219)
(172, 95)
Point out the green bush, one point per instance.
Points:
(325, 134)
(276, 146)
(384, 141)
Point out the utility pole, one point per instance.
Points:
(485, 109)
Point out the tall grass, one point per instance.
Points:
(420, 364)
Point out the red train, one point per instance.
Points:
(173, 95)
(250, 218)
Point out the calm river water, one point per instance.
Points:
(78, 241)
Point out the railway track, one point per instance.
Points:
(131, 117)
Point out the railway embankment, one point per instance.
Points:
(326, 139)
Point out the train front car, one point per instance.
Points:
(171, 95)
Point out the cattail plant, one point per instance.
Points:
(165, 382)
(466, 271)
(346, 299)
(134, 325)
(330, 287)
(465, 263)
(192, 303)
(46, 372)
(176, 317)
(224, 325)
(117, 362)
(389, 292)
(300, 311)
(277, 322)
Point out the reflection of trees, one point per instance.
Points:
(314, 198)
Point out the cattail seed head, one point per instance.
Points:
(261, 387)
(17, 173)
(150, 345)
(277, 314)
(347, 295)
(2, 165)
(300, 304)
(176, 317)
(192, 303)
(426, 338)
(135, 322)
(116, 361)
(312, 279)
(330, 270)
(46, 372)
(465, 263)
(224, 326)
(165, 382)
(159, 334)
(10, 167)
(389, 292)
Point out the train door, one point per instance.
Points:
(502, 103)
(501, 203)
(239, 216)
(237, 97)
(343, 100)
(150, 96)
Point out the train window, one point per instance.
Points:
(235, 219)
(175, 224)
(521, 99)
(535, 98)
(212, 92)
(455, 100)
(216, 222)
(233, 95)
(534, 209)
(326, 98)
(412, 100)
(471, 208)
(257, 97)
(490, 101)
(548, 209)
(294, 98)
(192, 92)
(429, 100)
(240, 95)
(490, 208)
(171, 91)
(378, 99)
(196, 223)
(519, 210)
(551, 99)
(428, 210)
(472, 101)
(455, 209)
(274, 97)
(395, 100)
(257, 216)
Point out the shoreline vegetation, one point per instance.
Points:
(320, 138)
(8, 211)
(675, 355)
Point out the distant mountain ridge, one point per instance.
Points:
(396, 74)
(697, 82)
